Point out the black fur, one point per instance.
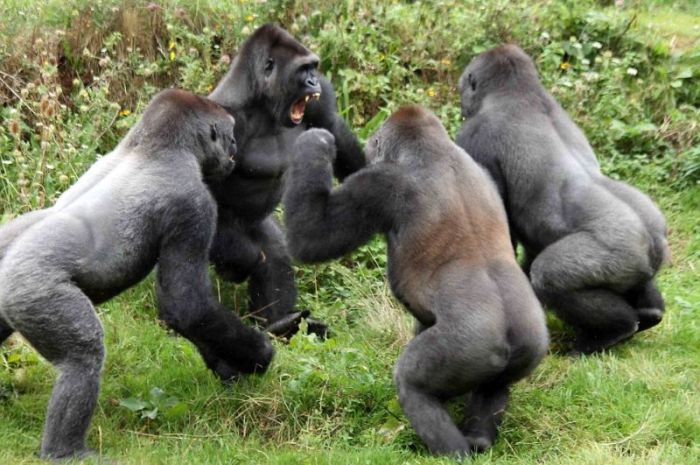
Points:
(593, 245)
(271, 72)
(145, 202)
(450, 263)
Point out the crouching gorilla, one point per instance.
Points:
(450, 263)
(275, 92)
(593, 245)
(143, 203)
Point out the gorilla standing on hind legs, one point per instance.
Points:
(274, 91)
(450, 263)
(142, 204)
(593, 245)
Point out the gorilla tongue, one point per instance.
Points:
(296, 114)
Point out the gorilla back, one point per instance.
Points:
(593, 245)
(145, 202)
(275, 92)
(450, 263)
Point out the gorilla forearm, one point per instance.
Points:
(322, 222)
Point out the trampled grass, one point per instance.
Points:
(334, 402)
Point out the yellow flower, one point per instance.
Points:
(431, 92)
(172, 56)
(209, 88)
(172, 45)
(249, 18)
(125, 112)
(446, 61)
(564, 66)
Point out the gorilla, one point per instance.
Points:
(593, 245)
(450, 263)
(274, 91)
(144, 203)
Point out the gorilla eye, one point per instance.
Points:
(269, 64)
(472, 81)
(213, 134)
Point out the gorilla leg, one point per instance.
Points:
(572, 276)
(484, 414)
(63, 327)
(234, 253)
(272, 288)
(450, 358)
(649, 304)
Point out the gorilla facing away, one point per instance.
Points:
(450, 264)
(142, 204)
(275, 92)
(593, 245)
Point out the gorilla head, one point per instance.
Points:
(404, 128)
(500, 68)
(191, 123)
(279, 72)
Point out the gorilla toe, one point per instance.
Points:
(649, 317)
(288, 326)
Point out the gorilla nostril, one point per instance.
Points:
(312, 82)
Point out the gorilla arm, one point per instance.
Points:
(323, 222)
(324, 114)
(186, 302)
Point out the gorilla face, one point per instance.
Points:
(467, 90)
(288, 72)
(219, 148)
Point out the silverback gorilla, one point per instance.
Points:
(450, 263)
(593, 245)
(275, 93)
(145, 202)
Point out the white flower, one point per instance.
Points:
(632, 71)
(597, 45)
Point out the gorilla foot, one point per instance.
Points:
(70, 457)
(289, 325)
(649, 317)
(589, 344)
(479, 442)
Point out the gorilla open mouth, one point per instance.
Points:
(296, 113)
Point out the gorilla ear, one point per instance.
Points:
(472, 82)
(212, 133)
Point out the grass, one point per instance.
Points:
(334, 402)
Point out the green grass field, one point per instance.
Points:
(74, 77)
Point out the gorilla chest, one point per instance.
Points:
(255, 186)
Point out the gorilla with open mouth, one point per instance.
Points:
(275, 92)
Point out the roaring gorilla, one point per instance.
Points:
(144, 203)
(593, 245)
(275, 93)
(450, 263)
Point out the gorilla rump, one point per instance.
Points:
(593, 245)
(143, 203)
(450, 263)
(275, 92)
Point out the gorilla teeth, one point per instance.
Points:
(316, 96)
(306, 98)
